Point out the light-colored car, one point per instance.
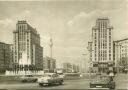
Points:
(28, 78)
(102, 82)
(61, 76)
(49, 79)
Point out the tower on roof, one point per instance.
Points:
(51, 45)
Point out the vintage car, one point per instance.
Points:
(61, 76)
(49, 79)
(28, 78)
(102, 82)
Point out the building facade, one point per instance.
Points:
(67, 67)
(102, 44)
(70, 68)
(120, 51)
(90, 53)
(46, 63)
(49, 64)
(5, 57)
(27, 52)
(75, 68)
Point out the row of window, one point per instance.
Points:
(22, 27)
(102, 23)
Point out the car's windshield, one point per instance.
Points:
(28, 76)
(101, 78)
(46, 75)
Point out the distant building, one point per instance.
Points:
(102, 44)
(120, 50)
(27, 52)
(67, 67)
(75, 68)
(52, 64)
(90, 53)
(5, 57)
(70, 68)
(49, 64)
(46, 63)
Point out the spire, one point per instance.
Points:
(51, 45)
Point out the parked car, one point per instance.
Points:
(102, 82)
(50, 79)
(28, 78)
(61, 76)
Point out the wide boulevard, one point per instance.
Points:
(121, 83)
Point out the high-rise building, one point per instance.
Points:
(46, 64)
(27, 51)
(5, 57)
(102, 44)
(49, 64)
(75, 68)
(90, 52)
(67, 67)
(52, 64)
(120, 50)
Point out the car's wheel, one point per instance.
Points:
(41, 84)
(61, 82)
(91, 86)
(112, 87)
(24, 80)
(34, 80)
(49, 84)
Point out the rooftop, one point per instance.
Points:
(22, 22)
(121, 40)
(103, 18)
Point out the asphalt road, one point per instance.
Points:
(72, 84)
(121, 83)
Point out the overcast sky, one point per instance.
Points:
(69, 23)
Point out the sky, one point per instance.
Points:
(68, 22)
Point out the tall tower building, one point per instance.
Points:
(51, 45)
(121, 52)
(27, 51)
(102, 44)
(52, 60)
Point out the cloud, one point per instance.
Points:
(27, 11)
(7, 26)
(24, 15)
(83, 21)
(6, 22)
(71, 29)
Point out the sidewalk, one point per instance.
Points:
(121, 77)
